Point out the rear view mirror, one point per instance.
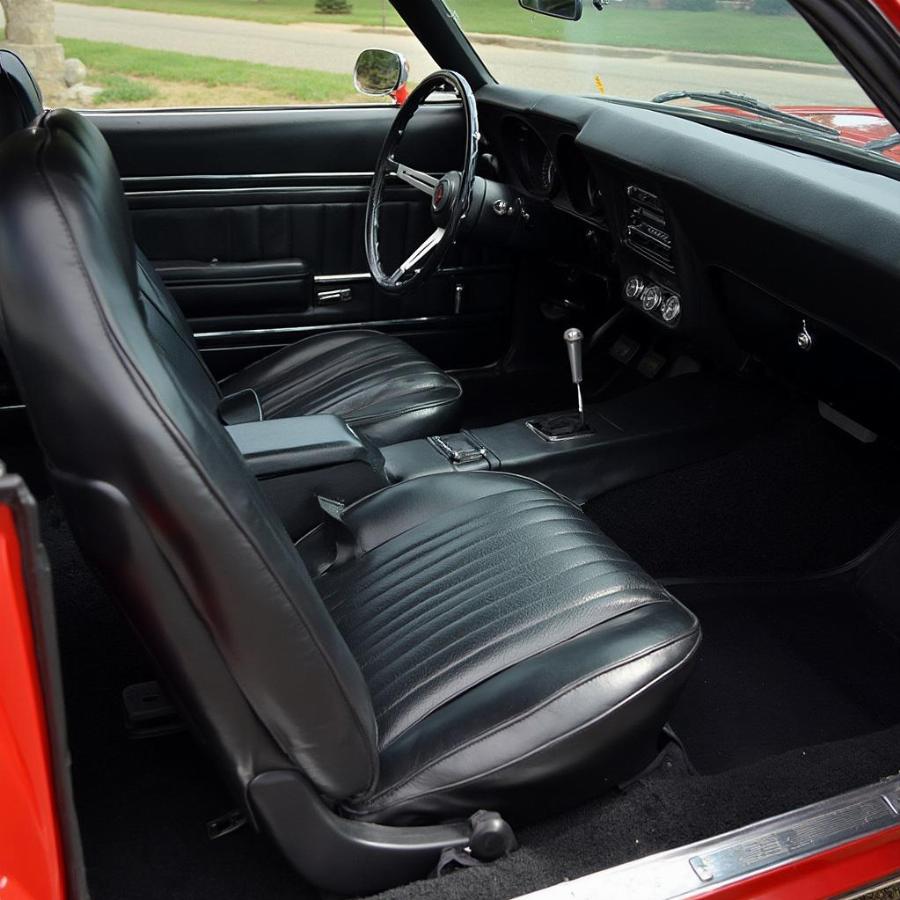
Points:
(558, 9)
(380, 72)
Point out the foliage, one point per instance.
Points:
(334, 7)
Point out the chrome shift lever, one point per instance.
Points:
(573, 338)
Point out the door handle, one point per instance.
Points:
(338, 295)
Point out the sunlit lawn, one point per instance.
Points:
(131, 75)
(719, 31)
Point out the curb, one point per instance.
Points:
(707, 59)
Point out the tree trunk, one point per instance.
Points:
(30, 32)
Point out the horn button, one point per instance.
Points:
(442, 200)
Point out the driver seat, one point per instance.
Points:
(376, 383)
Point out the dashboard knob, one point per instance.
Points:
(651, 298)
(634, 285)
(671, 308)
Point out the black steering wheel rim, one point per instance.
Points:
(451, 195)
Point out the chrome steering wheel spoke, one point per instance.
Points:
(420, 180)
(418, 254)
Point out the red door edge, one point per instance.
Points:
(31, 865)
(891, 11)
(841, 870)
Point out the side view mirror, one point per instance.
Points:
(381, 72)
(558, 9)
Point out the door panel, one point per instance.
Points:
(214, 194)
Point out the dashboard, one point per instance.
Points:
(738, 245)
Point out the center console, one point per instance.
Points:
(663, 425)
(311, 467)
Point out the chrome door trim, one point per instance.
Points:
(335, 279)
(243, 176)
(330, 326)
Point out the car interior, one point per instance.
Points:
(450, 499)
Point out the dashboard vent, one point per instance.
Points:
(648, 229)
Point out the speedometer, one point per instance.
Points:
(548, 173)
(534, 162)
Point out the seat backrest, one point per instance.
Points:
(158, 496)
(20, 96)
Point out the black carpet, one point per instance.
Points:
(782, 666)
(801, 498)
(669, 808)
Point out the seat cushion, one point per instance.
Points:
(377, 383)
(504, 640)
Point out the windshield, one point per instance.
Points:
(756, 60)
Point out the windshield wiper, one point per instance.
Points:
(749, 104)
(885, 143)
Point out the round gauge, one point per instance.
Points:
(651, 298)
(671, 308)
(633, 287)
(548, 173)
(534, 163)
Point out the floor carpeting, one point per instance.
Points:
(665, 810)
(803, 497)
(783, 665)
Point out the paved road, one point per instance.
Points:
(334, 48)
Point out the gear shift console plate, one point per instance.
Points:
(559, 427)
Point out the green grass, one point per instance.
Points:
(720, 31)
(119, 89)
(280, 12)
(114, 65)
(620, 25)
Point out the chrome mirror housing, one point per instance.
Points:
(380, 72)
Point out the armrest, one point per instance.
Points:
(215, 289)
(299, 444)
(199, 272)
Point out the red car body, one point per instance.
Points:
(856, 125)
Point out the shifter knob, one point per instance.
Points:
(573, 338)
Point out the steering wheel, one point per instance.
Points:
(450, 195)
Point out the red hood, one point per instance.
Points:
(856, 125)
